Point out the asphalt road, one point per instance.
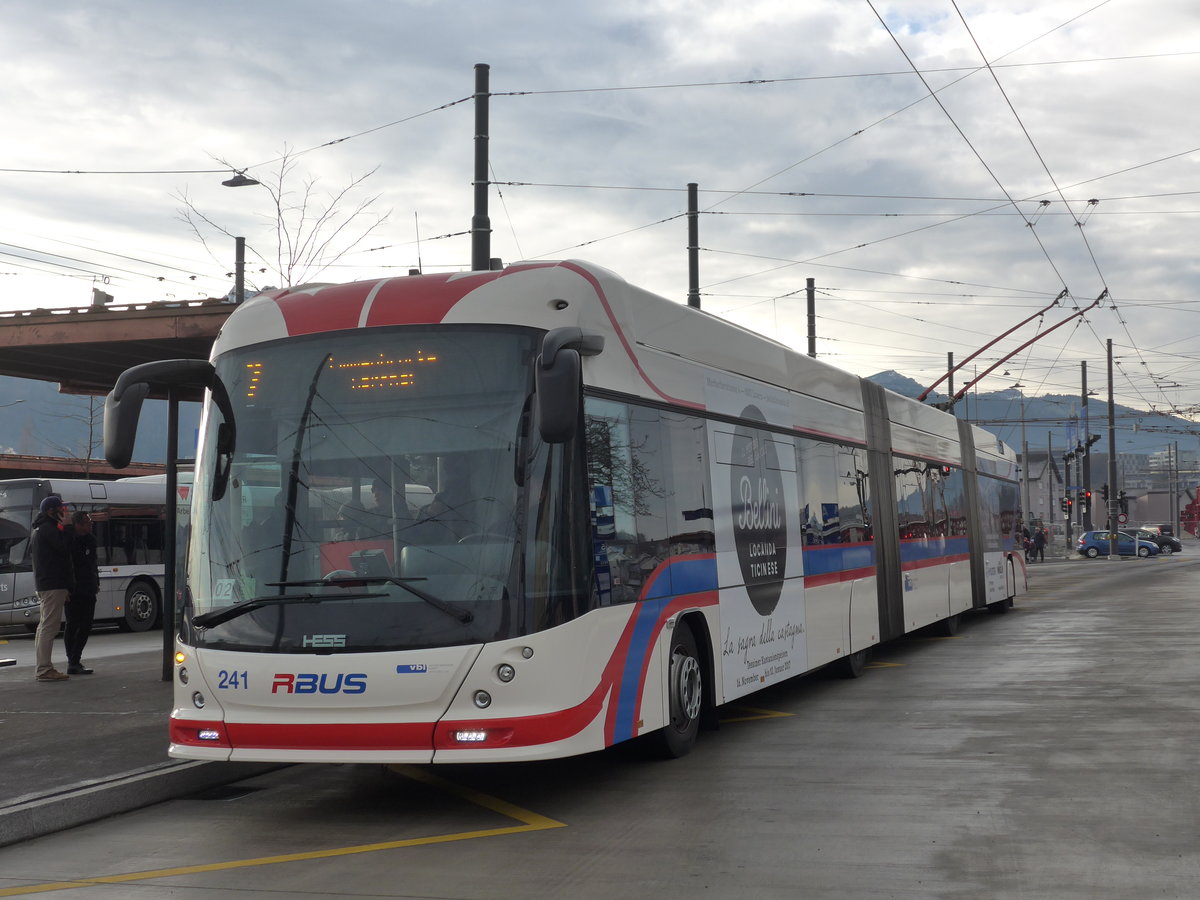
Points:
(1045, 753)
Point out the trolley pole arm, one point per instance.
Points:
(951, 372)
(966, 387)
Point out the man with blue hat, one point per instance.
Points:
(53, 578)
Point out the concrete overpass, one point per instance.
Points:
(17, 466)
(84, 350)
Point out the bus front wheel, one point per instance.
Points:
(141, 607)
(685, 686)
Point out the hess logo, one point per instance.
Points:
(324, 683)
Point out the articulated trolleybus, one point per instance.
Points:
(535, 512)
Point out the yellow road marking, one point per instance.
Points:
(530, 821)
(883, 665)
(758, 714)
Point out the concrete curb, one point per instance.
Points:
(33, 816)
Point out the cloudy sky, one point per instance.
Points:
(942, 171)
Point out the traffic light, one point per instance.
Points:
(1124, 501)
(1085, 500)
(1104, 491)
(1062, 504)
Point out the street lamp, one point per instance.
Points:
(240, 179)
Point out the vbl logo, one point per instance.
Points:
(311, 683)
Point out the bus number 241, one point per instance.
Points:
(233, 680)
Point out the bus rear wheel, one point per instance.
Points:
(141, 607)
(685, 686)
(853, 665)
(948, 627)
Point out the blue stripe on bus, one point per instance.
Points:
(830, 559)
(675, 578)
(924, 550)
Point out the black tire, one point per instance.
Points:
(1166, 550)
(1001, 606)
(141, 607)
(1143, 552)
(1091, 553)
(685, 690)
(948, 627)
(852, 666)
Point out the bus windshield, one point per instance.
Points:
(386, 492)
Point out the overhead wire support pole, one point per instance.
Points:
(1032, 340)
(811, 290)
(481, 224)
(1113, 493)
(693, 219)
(950, 374)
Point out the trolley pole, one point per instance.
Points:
(1087, 452)
(1113, 503)
(481, 224)
(693, 219)
(811, 290)
(169, 548)
(239, 270)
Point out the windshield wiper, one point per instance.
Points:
(220, 616)
(463, 615)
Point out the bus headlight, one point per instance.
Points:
(482, 699)
(198, 700)
(505, 672)
(183, 675)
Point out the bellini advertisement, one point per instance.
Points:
(759, 560)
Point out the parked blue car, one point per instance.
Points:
(1095, 543)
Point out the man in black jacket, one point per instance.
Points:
(81, 606)
(53, 577)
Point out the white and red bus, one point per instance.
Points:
(128, 516)
(535, 512)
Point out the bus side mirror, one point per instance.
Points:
(558, 376)
(123, 408)
(121, 414)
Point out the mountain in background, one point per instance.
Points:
(1056, 418)
(36, 420)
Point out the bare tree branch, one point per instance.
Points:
(312, 232)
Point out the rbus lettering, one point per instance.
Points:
(325, 683)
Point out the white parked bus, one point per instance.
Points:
(640, 512)
(128, 516)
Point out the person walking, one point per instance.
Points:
(1039, 545)
(81, 604)
(53, 578)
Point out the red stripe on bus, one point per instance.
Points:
(335, 736)
(838, 577)
(600, 295)
(936, 561)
